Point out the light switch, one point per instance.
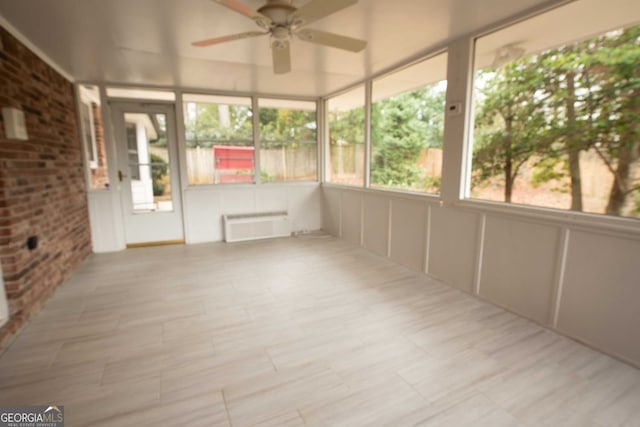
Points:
(14, 126)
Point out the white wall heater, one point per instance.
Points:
(238, 228)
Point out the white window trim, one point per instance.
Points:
(90, 146)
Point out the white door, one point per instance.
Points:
(148, 173)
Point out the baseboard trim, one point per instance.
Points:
(159, 243)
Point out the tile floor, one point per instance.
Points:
(293, 332)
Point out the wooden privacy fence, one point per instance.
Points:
(297, 163)
(347, 163)
(276, 164)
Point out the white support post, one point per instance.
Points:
(367, 133)
(256, 139)
(457, 118)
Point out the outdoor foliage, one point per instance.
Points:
(548, 108)
(159, 170)
(346, 127)
(208, 124)
(402, 127)
(284, 127)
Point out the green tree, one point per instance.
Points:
(575, 98)
(566, 84)
(511, 125)
(402, 127)
(207, 124)
(159, 170)
(347, 127)
(398, 136)
(615, 111)
(282, 126)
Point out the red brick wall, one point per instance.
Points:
(42, 185)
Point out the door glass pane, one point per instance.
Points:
(148, 157)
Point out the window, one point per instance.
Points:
(93, 136)
(288, 140)
(132, 151)
(407, 127)
(556, 113)
(346, 137)
(219, 139)
(88, 132)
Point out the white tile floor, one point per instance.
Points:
(299, 331)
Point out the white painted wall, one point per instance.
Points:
(514, 259)
(105, 218)
(205, 206)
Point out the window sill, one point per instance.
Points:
(570, 219)
(209, 187)
(630, 227)
(390, 192)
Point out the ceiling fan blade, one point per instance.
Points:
(223, 39)
(240, 8)
(281, 57)
(318, 9)
(331, 39)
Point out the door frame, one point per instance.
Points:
(117, 109)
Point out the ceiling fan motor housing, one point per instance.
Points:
(278, 12)
(280, 33)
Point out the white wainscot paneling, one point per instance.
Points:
(305, 207)
(237, 200)
(408, 235)
(331, 210)
(453, 247)
(351, 216)
(600, 300)
(271, 198)
(203, 216)
(376, 224)
(205, 207)
(518, 267)
(107, 234)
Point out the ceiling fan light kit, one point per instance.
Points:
(282, 20)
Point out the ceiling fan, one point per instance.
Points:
(282, 20)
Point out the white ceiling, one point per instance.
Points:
(148, 41)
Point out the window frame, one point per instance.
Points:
(88, 135)
(181, 104)
(366, 85)
(370, 146)
(564, 216)
(254, 97)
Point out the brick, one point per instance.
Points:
(42, 185)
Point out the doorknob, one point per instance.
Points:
(121, 176)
